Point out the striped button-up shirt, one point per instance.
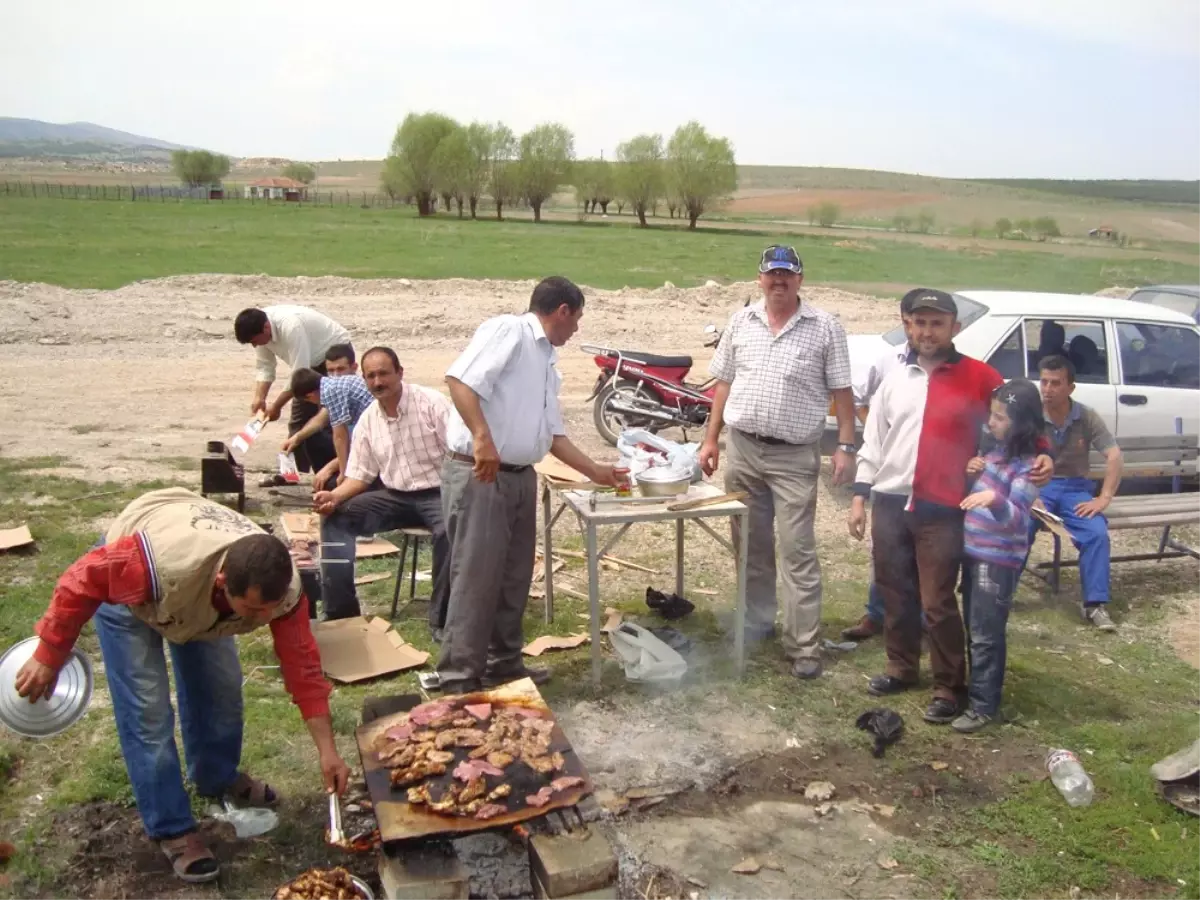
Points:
(406, 452)
(780, 383)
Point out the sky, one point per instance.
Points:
(984, 88)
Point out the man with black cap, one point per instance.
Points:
(923, 427)
(778, 364)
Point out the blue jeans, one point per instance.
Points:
(988, 592)
(874, 603)
(208, 680)
(1061, 496)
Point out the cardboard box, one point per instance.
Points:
(360, 648)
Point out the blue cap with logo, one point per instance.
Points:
(778, 256)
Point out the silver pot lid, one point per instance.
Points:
(664, 475)
(52, 715)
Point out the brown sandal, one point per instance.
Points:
(247, 791)
(190, 858)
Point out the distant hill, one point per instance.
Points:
(34, 138)
(1142, 190)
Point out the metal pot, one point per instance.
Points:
(663, 481)
(51, 715)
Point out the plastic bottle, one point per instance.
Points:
(1069, 777)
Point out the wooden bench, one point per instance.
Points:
(1174, 456)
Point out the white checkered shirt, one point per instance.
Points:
(780, 383)
(406, 452)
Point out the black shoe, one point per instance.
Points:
(537, 676)
(464, 686)
(942, 711)
(883, 685)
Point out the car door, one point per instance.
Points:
(1083, 341)
(1159, 379)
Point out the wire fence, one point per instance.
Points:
(229, 193)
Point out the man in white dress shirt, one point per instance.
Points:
(506, 418)
(300, 337)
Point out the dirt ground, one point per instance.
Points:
(120, 380)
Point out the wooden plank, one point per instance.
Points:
(733, 497)
(1160, 442)
(1153, 521)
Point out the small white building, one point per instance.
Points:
(277, 188)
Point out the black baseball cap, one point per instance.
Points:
(927, 298)
(779, 257)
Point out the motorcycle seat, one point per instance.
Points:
(662, 362)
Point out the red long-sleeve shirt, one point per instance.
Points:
(119, 573)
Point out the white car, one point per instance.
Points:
(1137, 364)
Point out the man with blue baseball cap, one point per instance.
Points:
(778, 364)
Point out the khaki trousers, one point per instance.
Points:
(781, 480)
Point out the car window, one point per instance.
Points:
(1188, 304)
(1009, 358)
(1159, 355)
(968, 312)
(1081, 341)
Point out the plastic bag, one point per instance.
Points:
(669, 453)
(645, 658)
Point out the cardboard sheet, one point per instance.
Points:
(558, 471)
(1052, 522)
(306, 526)
(540, 645)
(11, 538)
(357, 649)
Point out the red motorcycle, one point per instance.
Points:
(645, 390)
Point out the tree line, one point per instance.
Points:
(434, 156)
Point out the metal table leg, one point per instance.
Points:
(679, 557)
(547, 548)
(741, 529)
(593, 563)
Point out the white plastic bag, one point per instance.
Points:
(680, 456)
(645, 657)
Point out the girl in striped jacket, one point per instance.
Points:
(996, 539)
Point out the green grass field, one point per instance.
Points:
(104, 245)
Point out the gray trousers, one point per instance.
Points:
(493, 537)
(782, 483)
(381, 509)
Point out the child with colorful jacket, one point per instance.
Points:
(996, 541)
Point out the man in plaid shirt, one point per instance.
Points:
(342, 400)
(393, 480)
(778, 364)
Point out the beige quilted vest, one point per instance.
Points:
(187, 537)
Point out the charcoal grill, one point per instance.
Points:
(221, 474)
(399, 821)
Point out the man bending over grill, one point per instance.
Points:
(180, 569)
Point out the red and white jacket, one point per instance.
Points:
(922, 429)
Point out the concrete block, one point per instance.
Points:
(425, 872)
(570, 865)
(604, 893)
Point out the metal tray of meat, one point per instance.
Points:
(400, 820)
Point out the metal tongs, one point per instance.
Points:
(336, 835)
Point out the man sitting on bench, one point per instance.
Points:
(1073, 429)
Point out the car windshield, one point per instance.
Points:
(968, 312)
(1180, 301)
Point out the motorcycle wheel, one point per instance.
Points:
(610, 423)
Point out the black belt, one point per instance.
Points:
(470, 460)
(764, 439)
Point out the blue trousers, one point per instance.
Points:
(1061, 496)
(208, 686)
